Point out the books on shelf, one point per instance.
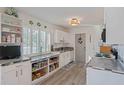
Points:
(11, 38)
(8, 38)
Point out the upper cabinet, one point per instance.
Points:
(61, 36)
(114, 20)
(10, 29)
(58, 36)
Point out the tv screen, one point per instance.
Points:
(10, 52)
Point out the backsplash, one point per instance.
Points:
(64, 49)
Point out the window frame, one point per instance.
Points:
(31, 44)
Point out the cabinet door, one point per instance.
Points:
(66, 61)
(61, 35)
(10, 76)
(71, 55)
(66, 37)
(58, 36)
(61, 60)
(25, 73)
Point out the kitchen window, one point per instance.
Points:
(48, 41)
(42, 41)
(26, 41)
(35, 41)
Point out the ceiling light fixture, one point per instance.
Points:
(74, 21)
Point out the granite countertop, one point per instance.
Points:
(24, 59)
(106, 64)
(13, 61)
(45, 56)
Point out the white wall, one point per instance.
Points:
(93, 31)
(114, 20)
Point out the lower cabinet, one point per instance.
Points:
(72, 55)
(9, 76)
(19, 73)
(24, 73)
(65, 58)
(62, 59)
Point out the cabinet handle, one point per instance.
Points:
(21, 72)
(16, 74)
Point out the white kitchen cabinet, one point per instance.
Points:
(62, 59)
(103, 77)
(66, 37)
(60, 36)
(71, 55)
(25, 73)
(19, 73)
(65, 58)
(10, 76)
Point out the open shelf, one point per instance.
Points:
(43, 68)
(11, 37)
(53, 60)
(10, 29)
(54, 66)
(39, 73)
(12, 32)
(8, 24)
(40, 68)
(53, 63)
(39, 65)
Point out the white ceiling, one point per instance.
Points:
(61, 15)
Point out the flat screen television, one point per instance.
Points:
(10, 52)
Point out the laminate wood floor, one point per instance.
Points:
(72, 74)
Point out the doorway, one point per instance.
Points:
(80, 48)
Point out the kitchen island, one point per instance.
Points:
(105, 71)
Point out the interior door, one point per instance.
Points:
(80, 48)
